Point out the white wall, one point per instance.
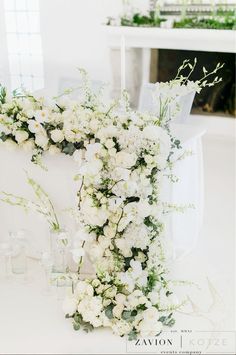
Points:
(72, 37)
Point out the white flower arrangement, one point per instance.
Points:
(122, 156)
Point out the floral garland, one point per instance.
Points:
(122, 156)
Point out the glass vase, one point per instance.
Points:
(19, 253)
(59, 242)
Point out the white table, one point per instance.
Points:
(185, 227)
(58, 181)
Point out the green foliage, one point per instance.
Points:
(69, 149)
(142, 20)
(109, 311)
(3, 94)
(152, 280)
(78, 323)
(3, 137)
(167, 320)
(129, 316)
(153, 224)
(218, 23)
(132, 335)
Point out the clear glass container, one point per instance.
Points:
(19, 252)
(59, 243)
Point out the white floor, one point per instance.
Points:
(211, 265)
(214, 256)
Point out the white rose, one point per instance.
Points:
(69, 306)
(151, 314)
(109, 231)
(143, 209)
(83, 289)
(109, 143)
(57, 135)
(29, 113)
(28, 146)
(106, 302)
(96, 322)
(53, 150)
(120, 298)
(10, 144)
(4, 129)
(21, 136)
(117, 310)
(112, 152)
(95, 216)
(92, 168)
(96, 283)
(110, 292)
(125, 160)
(41, 140)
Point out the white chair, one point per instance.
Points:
(147, 102)
(183, 229)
